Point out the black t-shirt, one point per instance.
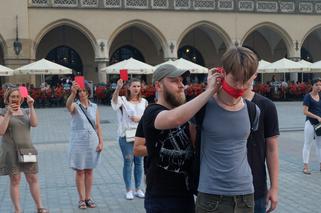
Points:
(268, 127)
(170, 156)
(140, 133)
(314, 107)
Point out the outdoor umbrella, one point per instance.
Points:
(132, 66)
(262, 65)
(284, 66)
(184, 64)
(305, 64)
(315, 67)
(5, 71)
(43, 67)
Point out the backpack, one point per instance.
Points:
(199, 117)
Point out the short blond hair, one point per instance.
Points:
(241, 62)
(7, 94)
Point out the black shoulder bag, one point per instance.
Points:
(317, 129)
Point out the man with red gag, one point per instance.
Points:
(225, 183)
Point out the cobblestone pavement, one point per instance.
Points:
(299, 193)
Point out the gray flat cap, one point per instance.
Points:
(167, 70)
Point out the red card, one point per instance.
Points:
(80, 80)
(23, 91)
(123, 75)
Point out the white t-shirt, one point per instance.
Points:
(125, 109)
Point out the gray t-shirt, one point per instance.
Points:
(224, 167)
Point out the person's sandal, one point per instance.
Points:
(42, 210)
(306, 172)
(90, 203)
(82, 204)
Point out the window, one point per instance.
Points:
(67, 57)
(192, 54)
(126, 52)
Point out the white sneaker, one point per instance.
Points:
(139, 193)
(129, 195)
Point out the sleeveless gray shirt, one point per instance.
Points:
(224, 167)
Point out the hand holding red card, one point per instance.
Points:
(80, 80)
(123, 75)
(23, 91)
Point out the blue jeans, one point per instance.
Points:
(169, 204)
(260, 205)
(208, 203)
(129, 158)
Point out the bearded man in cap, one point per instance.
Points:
(168, 141)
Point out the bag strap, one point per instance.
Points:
(251, 109)
(199, 117)
(124, 103)
(82, 109)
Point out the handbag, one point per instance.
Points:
(28, 155)
(317, 129)
(130, 135)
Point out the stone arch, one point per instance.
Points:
(72, 35)
(69, 23)
(226, 38)
(214, 38)
(310, 43)
(277, 29)
(150, 30)
(313, 29)
(3, 47)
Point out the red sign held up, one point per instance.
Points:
(23, 91)
(80, 80)
(123, 75)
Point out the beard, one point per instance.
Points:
(172, 99)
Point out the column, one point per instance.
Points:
(101, 63)
(295, 55)
(171, 51)
(101, 59)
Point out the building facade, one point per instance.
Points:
(87, 35)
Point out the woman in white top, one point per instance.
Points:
(130, 109)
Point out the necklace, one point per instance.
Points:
(225, 103)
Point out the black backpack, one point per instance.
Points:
(199, 117)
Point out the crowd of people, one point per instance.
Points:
(48, 95)
(182, 143)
